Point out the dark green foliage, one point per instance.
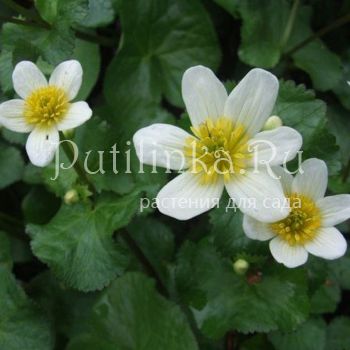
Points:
(96, 272)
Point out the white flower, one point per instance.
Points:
(220, 153)
(309, 228)
(45, 108)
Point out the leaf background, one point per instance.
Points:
(107, 276)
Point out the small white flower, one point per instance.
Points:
(309, 226)
(45, 107)
(219, 154)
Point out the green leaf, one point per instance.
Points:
(264, 41)
(324, 289)
(88, 55)
(47, 9)
(6, 68)
(39, 206)
(5, 251)
(11, 165)
(338, 185)
(100, 13)
(231, 6)
(161, 40)
(264, 22)
(271, 298)
(300, 109)
(325, 73)
(339, 124)
(22, 324)
(72, 315)
(132, 315)
(226, 228)
(323, 146)
(54, 45)
(99, 135)
(58, 180)
(156, 241)
(340, 269)
(338, 335)
(311, 335)
(326, 298)
(120, 172)
(342, 89)
(55, 10)
(256, 342)
(26, 51)
(14, 137)
(78, 243)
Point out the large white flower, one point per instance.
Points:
(220, 152)
(309, 226)
(45, 108)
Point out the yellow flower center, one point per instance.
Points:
(219, 148)
(46, 106)
(301, 224)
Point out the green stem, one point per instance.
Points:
(94, 38)
(91, 37)
(337, 23)
(290, 23)
(22, 22)
(21, 10)
(77, 166)
(230, 340)
(151, 271)
(133, 246)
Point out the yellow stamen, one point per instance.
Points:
(46, 106)
(219, 148)
(301, 224)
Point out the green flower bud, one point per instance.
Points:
(240, 266)
(272, 123)
(71, 197)
(69, 133)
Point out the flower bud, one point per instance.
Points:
(272, 123)
(240, 266)
(69, 133)
(71, 197)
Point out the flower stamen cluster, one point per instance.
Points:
(46, 106)
(301, 224)
(220, 147)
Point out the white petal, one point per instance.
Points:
(203, 93)
(275, 147)
(259, 195)
(285, 178)
(11, 116)
(68, 75)
(161, 145)
(252, 100)
(27, 77)
(78, 113)
(185, 197)
(290, 256)
(334, 209)
(41, 146)
(255, 229)
(313, 181)
(329, 243)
